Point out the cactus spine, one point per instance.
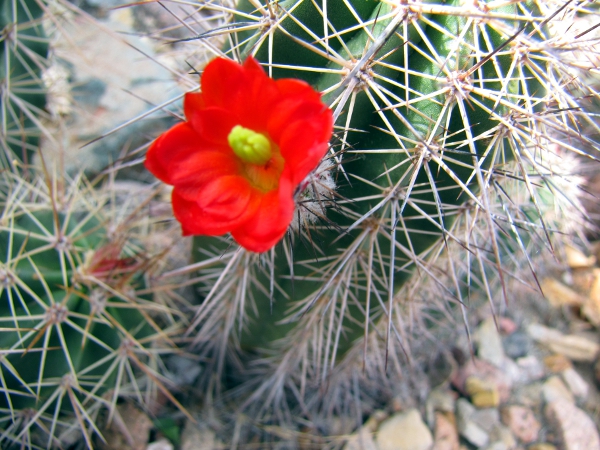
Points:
(78, 329)
(23, 53)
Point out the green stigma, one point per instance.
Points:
(249, 145)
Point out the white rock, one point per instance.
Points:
(404, 431)
(502, 434)
(531, 367)
(576, 384)
(576, 348)
(162, 444)
(487, 418)
(467, 428)
(497, 446)
(554, 389)
(575, 429)
(489, 343)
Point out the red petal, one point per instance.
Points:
(302, 148)
(289, 111)
(180, 155)
(291, 87)
(203, 167)
(270, 221)
(169, 148)
(245, 91)
(217, 208)
(222, 82)
(192, 102)
(193, 220)
(213, 124)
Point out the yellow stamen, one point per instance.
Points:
(250, 146)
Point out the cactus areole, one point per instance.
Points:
(248, 141)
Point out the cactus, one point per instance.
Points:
(451, 120)
(79, 328)
(456, 122)
(23, 55)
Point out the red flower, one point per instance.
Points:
(247, 142)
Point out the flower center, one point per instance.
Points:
(250, 146)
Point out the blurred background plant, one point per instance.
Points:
(463, 130)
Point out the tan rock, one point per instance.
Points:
(574, 428)
(591, 307)
(576, 259)
(404, 431)
(445, 432)
(541, 446)
(557, 363)
(574, 347)
(559, 294)
(522, 423)
(484, 393)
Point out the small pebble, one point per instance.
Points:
(574, 347)
(496, 446)
(484, 394)
(404, 431)
(591, 307)
(439, 399)
(541, 446)
(517, 344)
(575, 382)
(557, 363)
(445, 432)
(559, 294)
(507, 326)
(485, 371)
(500, 433)
(522, 423)
(467, 428)
(576, 259)
(555, 389)
(575, 429)
(162, 444)
(489, 342)
(531, 367)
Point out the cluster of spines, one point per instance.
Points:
(450, 120)
(80, 327)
